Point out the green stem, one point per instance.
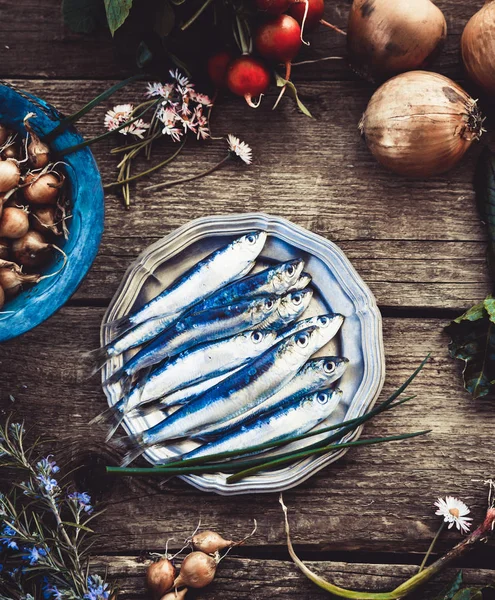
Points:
(167, 184)
(139, 145)
(103, 135)
(189, 22)
(148, 171)
(432, 545)
(64, 123)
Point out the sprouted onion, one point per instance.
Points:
(160, 577)
(478, 47)
(386, 38)
(420, 124)
(197, 570)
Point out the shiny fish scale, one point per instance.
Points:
(329, 325)
(208, 325)
(273, 280)
(209, 359)
(314, 375)
(291, 307)
(295, 419)
(246, 388)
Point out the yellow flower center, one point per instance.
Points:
(454, 512)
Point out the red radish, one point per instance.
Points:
(248, 77)
(4, 248)
(314, 15)
(11, 280)
(10, 174)
(273, 7)
(42, 189)
(14, 222)
(217, 67)
(160, 577)
(197, 570)
(32, 250)
(279, 39)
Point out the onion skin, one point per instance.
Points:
(42, 189)
(14, 223)
(197, 571)
(31, 250)
(10, 175)
(11, 281)
(4, 134)
(2, 297)
(420, 124)
(385, 38)
(175, 595)
(210, 542)
(43, 219)
(160, 577)
(478, 48)
(4, 249)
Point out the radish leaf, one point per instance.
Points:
(452, 588)
(291, 89)
(117, 12)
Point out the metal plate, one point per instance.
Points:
(338, 288)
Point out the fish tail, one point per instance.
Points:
(148, 409)
(119, 326)
(135, 451)
(108, 413)
(97, 358)
(119, 376)
(117, 421)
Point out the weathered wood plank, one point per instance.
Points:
(242, 578)
(399, 233)
(33, 47)
(375, 499)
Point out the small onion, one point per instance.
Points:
(420, 124)
(197, 571)
(478, 47)
(210, 542)
(10, 151)
(160, 577)
(385, 38)
(10, 175)
(14, 222)
(175, 595)
(4, 249)
(4, 134)
(44, 219)
(31, 250)
(38, 152)
(11, 281)
(42, 189)
(2, 297)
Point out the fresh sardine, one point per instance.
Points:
(216, 270)
(295, 419)
(328, 324)
(291, 307)
(316, 374)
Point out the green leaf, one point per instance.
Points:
(484, 185)
(452, 588)
(83, 527)
(291, 88)
(469, 594)
(164, 18)
(82, 16)
(117, 12)
(473, 341)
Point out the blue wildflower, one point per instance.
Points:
(34, 554)
(97, 589)
(45, 465)
(49, 484)
(83, 499)
(50, 592)
(6, 538)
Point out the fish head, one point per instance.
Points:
(265, 306)
(328, 326)
(299, 345)
(324, 402)
(257, 340)
(251, 244)
(287, 275)
(329, 368)
(303, 281)
(293, 304)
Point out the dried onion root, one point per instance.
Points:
(420, 124)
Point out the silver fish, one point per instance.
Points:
(303, 281)
(273, 280)
(329, 325)
(206, 360)
(246, 388)
(216, 270)
(291, 307)
(316, 374)
(295, 419)
(193, 329)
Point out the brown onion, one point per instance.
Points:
(38, 152)
(160, 577)
(10, 151)
(210, 542)
(2, 297)
(175, 595)
(478, 47)
(388, 37)
(197, 570)
(42, 189)
(10, 175)
(44, 219)
(31, 250)
(4, 134)
(420, 124)
(11, 281)
(4, 248)
(14, 222)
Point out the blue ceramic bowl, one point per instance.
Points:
(38, 302)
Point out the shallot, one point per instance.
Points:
(420, 124)
(4, 134)
(44, 219)
(478, 47)
(2, 297)
(197, 570)
(160, 577)
(38, 152)
(175, 595)
(4, 248)
(210, 542)
(14, 222)
(10, 174)
(12, 279)
(43, 188)
(32, 250)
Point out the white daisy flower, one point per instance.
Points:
(138, 128)
(240, 149)
(117, 115)
(169, 118)
(201, 98)
(454, 512)
(182, 80)
(201, 123)
(165, 90)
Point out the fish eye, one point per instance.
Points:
(251, 238)
(329, 366)
(291, 269)
(322, 398)
(324, 321)
(269, 304)
(297, 299)
(303, 340)
(256, 336)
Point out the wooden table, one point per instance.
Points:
(366, 520)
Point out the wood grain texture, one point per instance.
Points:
(377, 498)
(241, 578)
